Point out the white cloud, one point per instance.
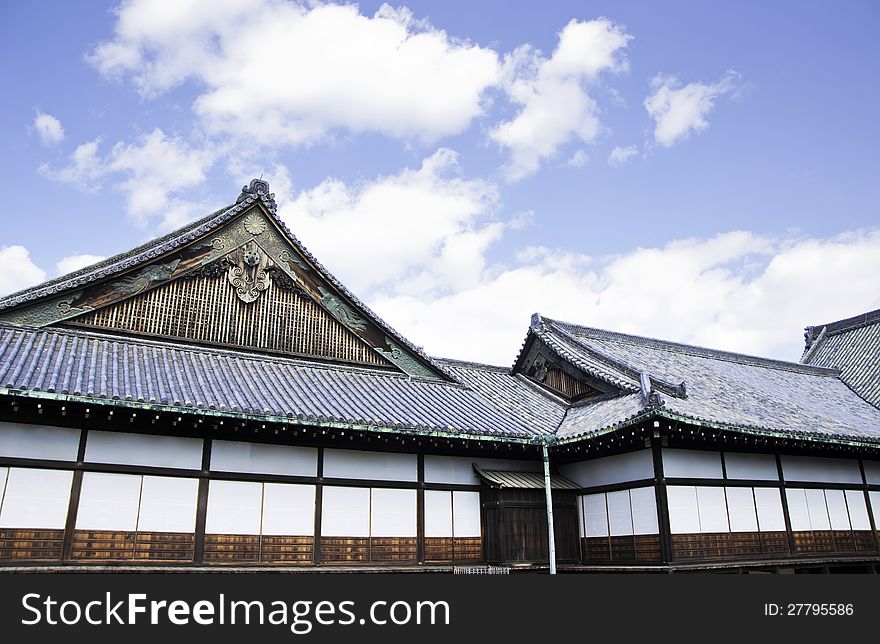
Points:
(73, 263)
(85, 169)
(48, 128)
(734, 291)
(157, 166)
(578, 159)
(678, 110)
(282, 73)
(152, 172)
(422, 230)
(620, 155)
(17, 270)
(553, 92)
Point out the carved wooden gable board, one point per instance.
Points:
(242, 285)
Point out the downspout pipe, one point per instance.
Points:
(551, 533)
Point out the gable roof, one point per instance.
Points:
(721, 388)
(851, 345)
(15, 308)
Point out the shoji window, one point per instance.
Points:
(234, 507)
(858, 510)
(33, 511)
(768, 503)
(619, 513)
(438, 514)
(380, 466)
(644, 510)
(363, 524)
(874, 498)
(797, 509)
(741, 509)
(620, 525)
(259, 458)
(168, 504)
(818, 510)
(19, 440)
(288, 509)
(35, 499)
(684, 514)
(346, 512)
(712, 507)
(837, 512)
(452, 526)
(466, 514)
(393, 513)
(109, 502)
(144, 449)
(125, 516)
(251, 521)
(595, 515)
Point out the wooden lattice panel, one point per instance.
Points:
(206, 309)
(17, 544)
(567, 384)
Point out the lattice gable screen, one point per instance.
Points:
(545, 368)
(242, 286)
(205, 308)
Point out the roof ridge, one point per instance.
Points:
(699, 351)
(848, 324)
(674, 389)
(471, 363)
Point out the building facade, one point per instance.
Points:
(216, 398)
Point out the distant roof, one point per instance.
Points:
(852, 346)
(726, 389)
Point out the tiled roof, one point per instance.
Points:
(515, 395)
(852, 346)
(99, 367)
(724, 388)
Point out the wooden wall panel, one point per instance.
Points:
(393, 550)
(103, 545)
(164, 546)
(597, 549)
(18, 544)
(863, 541)
(438, 550)
(287, 549)
(745, 545)
(345, 549)
(775, 544)
(687, 546)
(232, 548)
(647, 547)
(843, 541)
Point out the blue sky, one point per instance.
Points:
(704, 172)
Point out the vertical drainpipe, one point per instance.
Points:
(551, 535)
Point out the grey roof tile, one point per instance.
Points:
(726, 388)
(102, 367)
(853, 347)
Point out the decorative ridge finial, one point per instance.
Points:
(258, 188)
(537, 322)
